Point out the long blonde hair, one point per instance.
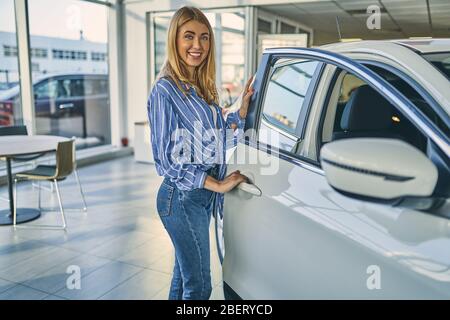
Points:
(175, 68)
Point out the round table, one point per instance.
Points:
(11, 146)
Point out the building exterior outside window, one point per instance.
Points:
(70, 71)
(10, 102)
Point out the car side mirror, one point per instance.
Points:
(380, 170)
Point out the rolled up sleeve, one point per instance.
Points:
(235, 117)
(163, 124)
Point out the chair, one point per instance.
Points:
(47, 168)
(65, 154)
(13, 131)
(18, 131)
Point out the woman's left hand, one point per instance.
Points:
(246, 96)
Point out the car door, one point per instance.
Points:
(302, 239)
(70, 106)
(59, 106)
(45, 95)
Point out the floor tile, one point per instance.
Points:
(148, 253)
(55, 278)
(37, 264)
(5, 285)
(20, 292)
(101, 281)
(143, 286)
(119, 244)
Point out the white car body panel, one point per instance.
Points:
(321, 243)
(303, 240)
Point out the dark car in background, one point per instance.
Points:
(72, 105)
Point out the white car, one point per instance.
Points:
(350, 191)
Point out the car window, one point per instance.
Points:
(441, 60)
(285, 94)
(409, 92)
(41, 90)
(285, 98)
(46, 90)
(74, 87)
(360, 111)
(95, 86)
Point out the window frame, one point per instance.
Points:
(300, 127)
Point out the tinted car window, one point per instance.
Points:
(285, 94)
(288, 91)
(410, 93)
(75, 87)
(441, 61)
(363, 112)
(95, 86)
(47, 90)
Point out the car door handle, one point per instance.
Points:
(66, 105)
(250, 188)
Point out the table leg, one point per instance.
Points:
(23, 214)
(10, 187)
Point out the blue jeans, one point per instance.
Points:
(186, 216)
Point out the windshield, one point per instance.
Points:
(440, 60)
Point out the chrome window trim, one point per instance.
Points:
(267, 123)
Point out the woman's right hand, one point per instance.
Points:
(231, 181)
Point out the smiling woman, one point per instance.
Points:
(193, 44)
(183, 108)
(191, 54)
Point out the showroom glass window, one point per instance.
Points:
(69, 61)
(229, 35)
(10, 104)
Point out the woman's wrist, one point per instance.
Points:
(243, 113)
(212, 184)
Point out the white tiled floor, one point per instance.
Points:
(120, 244)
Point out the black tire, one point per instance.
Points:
(229, 294)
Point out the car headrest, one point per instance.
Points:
(366, 110)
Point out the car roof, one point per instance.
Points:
(68, 75)
(13, 91)
(426, 45)
(420, 45)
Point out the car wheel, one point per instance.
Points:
(220, 241)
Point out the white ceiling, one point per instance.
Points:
(399, 18)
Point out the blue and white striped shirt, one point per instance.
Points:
(176, 118)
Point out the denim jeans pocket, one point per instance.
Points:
(199, 197)
(164, 199)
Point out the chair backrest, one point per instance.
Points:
(64, 158)
(13, 131)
